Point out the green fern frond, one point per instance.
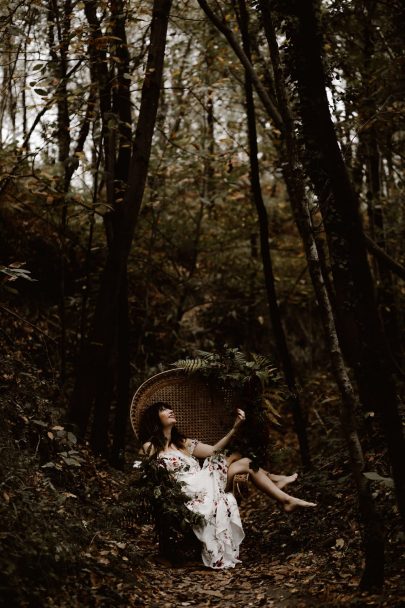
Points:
(253, 382)
(180, 363)
(261, 361)
(271, 411)
(205, 355)
(191, 366)
(273, 419)
(240, 357)
(263, 377)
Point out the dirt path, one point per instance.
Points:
(286, 562)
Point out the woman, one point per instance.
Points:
(207, 487)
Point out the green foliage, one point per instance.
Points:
(156, 497)
(14, 272)
(42, 534)
(231, 369)
(254, 384)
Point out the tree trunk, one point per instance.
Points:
(121, 99)
(351, 272)
(89, 245)
(59, 55)
(100, 346)
(101, 79)
(206, 192)
(123, 379)
(59, 32)
(369, 145)
(372, 532)
(275, 315)
(372, 529)
(119, 163)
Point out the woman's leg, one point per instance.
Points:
(265, 484)
(280, 480)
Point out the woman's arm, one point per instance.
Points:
(202, 450)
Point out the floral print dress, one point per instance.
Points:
(222, 533)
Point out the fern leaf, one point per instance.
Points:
(270, 409)
(261, 361)
(203, 354)
(263, 377)
(191, 366)
(240, 358)
(180, 363)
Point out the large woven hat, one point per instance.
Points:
(202, 411)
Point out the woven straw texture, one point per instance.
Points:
(201, 411)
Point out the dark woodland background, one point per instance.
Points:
(186, 175)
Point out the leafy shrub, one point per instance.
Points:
(156, 497)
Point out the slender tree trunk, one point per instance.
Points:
(101, 79)
(385, 288)
(267, 99)
(59, 23)
(383, 258)
(373, 538)
(24, 82)
(351, 272)
(123, 379)
(87, 264)
(206, 192)
(98, 351)
(121, 98)
(372, 528)
(369, 144)
(275, 315)
(117, 164)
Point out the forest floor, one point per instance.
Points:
(64, 551)
(62, 544)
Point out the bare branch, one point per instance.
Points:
(384, 258)
(239, 52)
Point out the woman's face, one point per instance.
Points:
(167, 417)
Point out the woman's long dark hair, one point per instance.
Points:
(151, 430)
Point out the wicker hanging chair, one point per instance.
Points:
(202, 411)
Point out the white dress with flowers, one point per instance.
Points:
(222, 533)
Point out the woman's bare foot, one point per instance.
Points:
(293, 503)
(285, 480)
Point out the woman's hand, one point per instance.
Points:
(203, 450)
(240, 418)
